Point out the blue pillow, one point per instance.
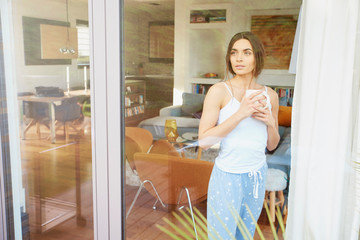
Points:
(283, 101)
(281, 131)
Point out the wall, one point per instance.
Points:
(28, 77)
(136, 48)
(239, 12)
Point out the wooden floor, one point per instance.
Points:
(50, 169)
(142, 221)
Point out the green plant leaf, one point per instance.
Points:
(279, 218)
(240, 223)
(257, 225)
(177, 229)
(173, 236)
(204, 221)
(185, 223)
(189, 220)
(201, 227)
(270, 220)
(222, 223)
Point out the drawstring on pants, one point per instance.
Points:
(257, 175)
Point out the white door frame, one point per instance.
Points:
(10, 170)
(3, 226)
(106, 82)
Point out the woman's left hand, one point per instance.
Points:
(264, 115)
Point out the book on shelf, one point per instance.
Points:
(128, 112)
(197, 17)
(217, 19)
(201, 88)
(286, 95)
(134, 110)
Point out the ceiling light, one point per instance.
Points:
(67, 49)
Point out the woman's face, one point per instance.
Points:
(242, 57)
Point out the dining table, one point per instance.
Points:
(52, 102)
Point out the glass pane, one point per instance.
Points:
(51, 65)
(174, 51)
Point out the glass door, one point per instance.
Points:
(174, 51)
(46, 99)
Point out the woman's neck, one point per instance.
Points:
(244, 81)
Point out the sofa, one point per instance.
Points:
(187, 116)
(280, 158)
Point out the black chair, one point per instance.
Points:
(66, 114)
(35, 114)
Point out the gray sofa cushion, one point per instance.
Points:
(192, 103)
(174, 111)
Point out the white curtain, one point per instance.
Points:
(322, 196)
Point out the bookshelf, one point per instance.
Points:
(285, 94)
(135, 91)
(209, 30)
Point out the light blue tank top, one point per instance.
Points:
(243, 149)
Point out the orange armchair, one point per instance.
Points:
(136, 140)
(169, 176)
(141, 140)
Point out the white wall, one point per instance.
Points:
(28, 77)
(239, 15)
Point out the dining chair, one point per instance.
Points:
(65, 114)
(164, 147)
(168, 177)
(35, 114)
(86, 112)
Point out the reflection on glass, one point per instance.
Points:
(54, 123)
(153, 96)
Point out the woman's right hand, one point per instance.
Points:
(249, 104)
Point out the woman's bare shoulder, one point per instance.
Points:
(216, 94)
(271, 92)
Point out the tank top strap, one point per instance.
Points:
(265, 89)
(227, 87)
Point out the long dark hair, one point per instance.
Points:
(258, 49)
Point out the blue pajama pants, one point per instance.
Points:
(229, 190)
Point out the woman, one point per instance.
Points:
(243, 115)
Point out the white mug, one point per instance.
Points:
(251, 91)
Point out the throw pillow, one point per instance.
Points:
(192, 103)
(281, 131)
(284, 117)
(197, 115)
(283, 101)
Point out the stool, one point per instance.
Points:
(276, 182)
